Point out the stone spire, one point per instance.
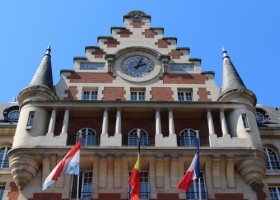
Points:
(231, 78)
(233, 88)
(41, 85)
(43, 75)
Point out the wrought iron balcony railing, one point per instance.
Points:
(4, 164)
(190, 141)
(87, 140)
(82, 195)
(133, 140)
(275, 165)
(195, 195)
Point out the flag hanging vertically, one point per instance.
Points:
(134, 179)
(70, 164)
(193, 171)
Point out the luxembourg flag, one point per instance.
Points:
(70, 164)
(193, 171)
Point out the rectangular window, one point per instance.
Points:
(185, 96)
(274, 193)
(90, 95)
(144, 186)
(85, 186)
(193, 192)
(2, 189)
(137, 96)
(245, 121)
(30, 119)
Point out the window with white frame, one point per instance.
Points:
(187, 137)
(185, 96)
(133, 138)
(2, 190)
(144, 186)
(193, 192)
(273, 161)
(137, 95)
(245, 121)
(30, 119)
(274, 193)
(85, 185)
(90, 95)
(88, 136)
(4, 158)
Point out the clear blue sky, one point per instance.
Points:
(249, 30)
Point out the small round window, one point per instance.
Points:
(13, 115)
(260, 117)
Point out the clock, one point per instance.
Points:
(260, 117)
(137, 66)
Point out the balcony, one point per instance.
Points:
(190, 141)
(87, 140)
(133, 140)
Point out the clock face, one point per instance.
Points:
(13, 115)
(137, 66)
(260, 117)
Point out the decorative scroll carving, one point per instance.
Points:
(23, 169)
(252, 170)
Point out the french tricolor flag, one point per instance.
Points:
(70, 164)
(193, 171)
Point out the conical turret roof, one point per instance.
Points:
(43, 75)
(231, 78)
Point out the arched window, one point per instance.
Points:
(187, 137)
(133, 140)
(88, 136)
(3, 157)
(273, 161)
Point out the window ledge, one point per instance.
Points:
(28, 127)
(247, 129)
(5, 171)
(273, 172)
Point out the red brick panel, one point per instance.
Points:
(47, 196)
(149, 33)
(167, 196)
(137, 23)
(124, 33)
(112, 42)
(260, 193)
(113, 93)
(89, 77)
(175, 54)
(98, 53)
(14, 193)
(162, 43)
(72, 92)
(202, 93)
(229, 196)
(183, 79)
(109, 196)
(161, 93)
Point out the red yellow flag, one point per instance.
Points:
(134, 180)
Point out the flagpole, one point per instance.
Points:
(199, 189)
(78, 177)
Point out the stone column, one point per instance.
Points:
(65, 122)
(224, 124)
(118, 122)
(158, 122)
(210, 123)
(171, 122)
(105, 122)
(52, 123)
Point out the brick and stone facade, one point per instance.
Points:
(137, 78)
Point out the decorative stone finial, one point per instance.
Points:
(136, 14)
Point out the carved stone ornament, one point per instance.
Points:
(23, 169)
(252, 170)
(137, 14)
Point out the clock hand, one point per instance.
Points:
(137, 66)
(139, 62)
